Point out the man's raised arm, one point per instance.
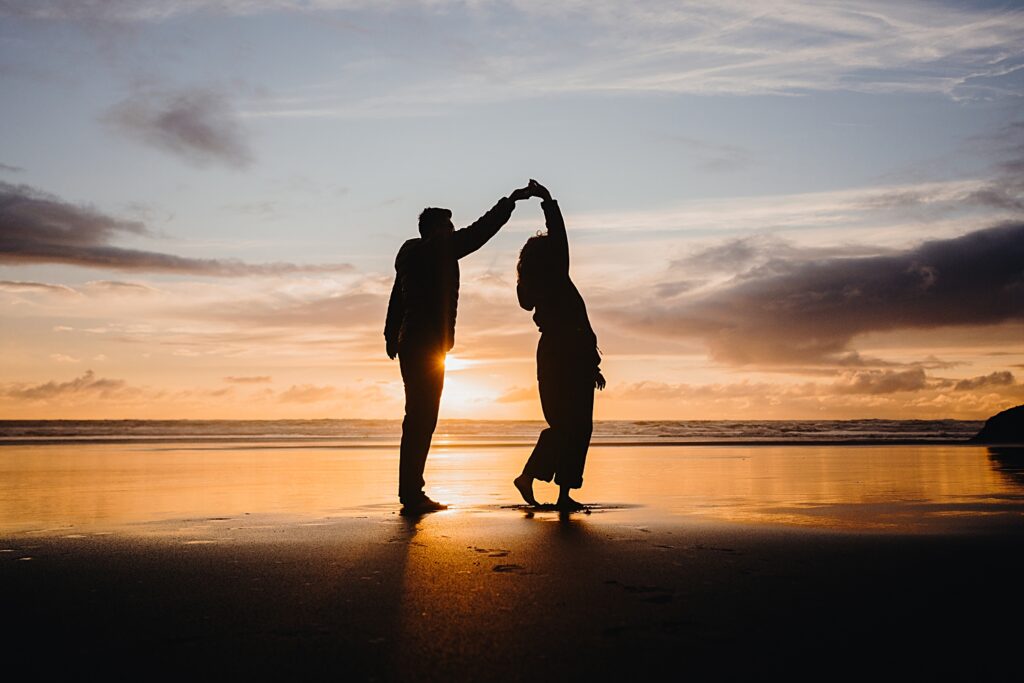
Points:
(469, 239)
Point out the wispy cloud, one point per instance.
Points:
(654, 46)
(250, 379)
(906, 393)
(36, 227)
(22, 287)
(196, 124)
(7, 168)
(85, 385)
(518, 395)
(715, 156)
(118, 287)
(356, 307)
(969, 199)
(704, 48)
(307, 393)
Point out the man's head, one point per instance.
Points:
(436, 222)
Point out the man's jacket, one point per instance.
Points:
(425, 296)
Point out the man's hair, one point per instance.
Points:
(430, 217)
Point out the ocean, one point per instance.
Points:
(494, 432)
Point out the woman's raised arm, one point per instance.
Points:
(554, 222)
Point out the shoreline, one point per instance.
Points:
(361, 442)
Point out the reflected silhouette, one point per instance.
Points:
(530, 511)
(420, 328)
(1008, 461)
(568, 360)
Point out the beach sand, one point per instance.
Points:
(204, 561)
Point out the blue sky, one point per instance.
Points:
(309, 135)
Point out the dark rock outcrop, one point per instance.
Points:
(1005, 427)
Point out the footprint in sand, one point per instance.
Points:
(653, 594)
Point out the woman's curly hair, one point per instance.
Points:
(536, 261)
(534, 269)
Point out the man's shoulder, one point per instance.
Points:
(407, 251)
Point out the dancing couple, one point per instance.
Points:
(420, 331)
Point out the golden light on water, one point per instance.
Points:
(105, 487)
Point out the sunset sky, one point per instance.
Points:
(776, 210)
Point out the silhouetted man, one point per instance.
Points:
(420, 328)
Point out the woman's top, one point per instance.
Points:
(558, 307)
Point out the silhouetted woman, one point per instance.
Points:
(567, 358)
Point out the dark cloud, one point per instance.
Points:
(87, 384)
(257, 379)
(995, 379)
(21, 287)
(7, 168)
(197, 124)
(809, 311)
(881, 382)
(36, 227)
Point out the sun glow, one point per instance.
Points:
(465, 398)
(453, 363)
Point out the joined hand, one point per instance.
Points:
(533, 189)
(538, 190)
(520, 193)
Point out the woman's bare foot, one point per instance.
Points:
(567, 504)
(524, 483)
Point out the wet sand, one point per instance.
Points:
(719, 562)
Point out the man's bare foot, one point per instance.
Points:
(524, 483)
(567, 504)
